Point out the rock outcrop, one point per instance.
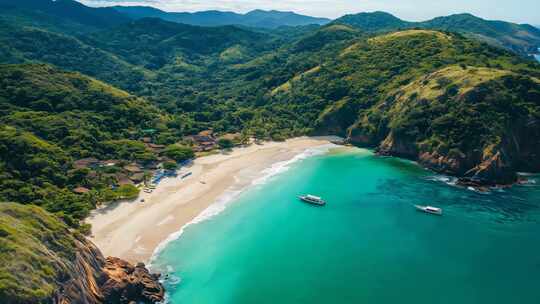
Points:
(493, 167)
(96, 280)
(43, 261)
(126, 282)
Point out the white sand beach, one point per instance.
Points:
(132, 230)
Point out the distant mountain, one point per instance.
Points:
(256, 18)
(374, 22)
(62, 11)
(520, 38)
(154, 43)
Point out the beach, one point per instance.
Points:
(133, 230)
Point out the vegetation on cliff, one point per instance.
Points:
(35, 247)
(44, 262)
(520, 38)
(50, 118)
(334, 79)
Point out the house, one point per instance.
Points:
(89, 162)
(154, 147)
(108, 163)
(81, 190)
(133, 168)
(207, 145)
(204, 141)
(124, 180)
(209, 133)
(137, 177)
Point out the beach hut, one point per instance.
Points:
(81, 190)
(137, 177)
(133, 168)
(85, 163)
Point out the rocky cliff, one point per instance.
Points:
(44, 262)
(479, 124)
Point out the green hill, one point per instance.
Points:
(154, 43)
(49, 119)
(520, 38)
(43, 261)
(22, 44)
(256, 18)
(37, 252)
(435, 75)
(333, 79)
(62, 13)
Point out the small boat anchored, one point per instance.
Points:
(429, 209)
(312, 199)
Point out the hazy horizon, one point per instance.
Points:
(528, 11)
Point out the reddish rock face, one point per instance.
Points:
(92, 279)
(126, 283)
(494, 170)
(477, 170)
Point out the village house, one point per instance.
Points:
(204, 141)
(108, 163)
(137, 178)
(133, 168)
(154, 147)
(83, 163)
(123, 180)
(81, 190)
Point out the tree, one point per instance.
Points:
(178, 152)
(225, 143)
(170, 165)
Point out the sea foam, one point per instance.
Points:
(230, 195)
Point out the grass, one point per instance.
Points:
(435, 84)
(408, 33)
(284, 88)
(35, 250)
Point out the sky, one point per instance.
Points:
(520, 11)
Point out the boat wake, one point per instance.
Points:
(230, 195)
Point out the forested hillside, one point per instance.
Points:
(256, 18)
(408, 93)
(49, 119)
(93, 102)
(520, 38)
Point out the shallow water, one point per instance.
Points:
(368, 245)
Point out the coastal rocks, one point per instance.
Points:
(492, 167)
(443, 163)
(83, 276)
(92, 279)
(396, 146)
(494, 170)
(127, 283)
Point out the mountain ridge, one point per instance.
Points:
(520, 38)
(254, 18)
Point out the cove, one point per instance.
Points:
(368, 245)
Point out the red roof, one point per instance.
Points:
(81, 190)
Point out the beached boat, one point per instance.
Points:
(312, 199)
(429, 209)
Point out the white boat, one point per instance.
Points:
(429, 209)
(312, 199)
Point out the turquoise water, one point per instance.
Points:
(368, 245)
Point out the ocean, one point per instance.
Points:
(367, 245)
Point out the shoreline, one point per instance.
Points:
(135, 230)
